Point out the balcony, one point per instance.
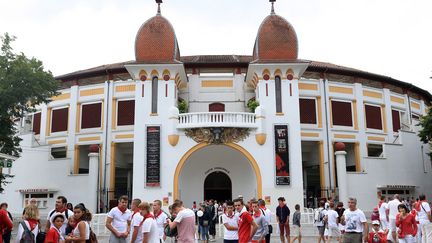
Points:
(217, 119)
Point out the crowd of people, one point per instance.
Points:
(393, 220)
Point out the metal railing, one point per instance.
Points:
(217, 119)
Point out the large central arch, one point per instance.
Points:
(244, 152)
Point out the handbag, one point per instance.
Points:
(205, 223)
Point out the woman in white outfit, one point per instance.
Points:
(31, 222)
(81, 232)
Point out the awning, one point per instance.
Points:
(37, 190)
(396, 187)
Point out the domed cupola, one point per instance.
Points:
(276, 40)
(156, 41)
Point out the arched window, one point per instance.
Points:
(278, 95)
(154, 95)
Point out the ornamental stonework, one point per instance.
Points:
(217, 135)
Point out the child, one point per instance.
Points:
(377, 235)
(54, 235)
(70, 225)
(296, 232)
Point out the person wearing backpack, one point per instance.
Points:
(81, 233)
(319, 220)
(28, 228)
(60, 207)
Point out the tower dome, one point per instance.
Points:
(276, 40)
(156, 42)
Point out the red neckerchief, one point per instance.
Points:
(263, 208)
(160, 212)
(257, 214)
(61, 210)
(148, 215)
(230, 216)
(122, 209)
(32, 223)
(379, 204)
(136, 211)
(77, 221)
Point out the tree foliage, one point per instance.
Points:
(23, 84)
(425, 132)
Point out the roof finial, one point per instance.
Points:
(272, 7)
(159, 9)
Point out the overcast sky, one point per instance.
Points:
(388, 37)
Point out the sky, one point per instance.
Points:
(387, 37)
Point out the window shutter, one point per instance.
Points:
(278, 94)
(396, 120)
(60, 120)
(341, 113)
(91, 115)
(373, 117)
(126, 112)
(307, 111)
(36, 123)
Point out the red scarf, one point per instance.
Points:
(32, 223)
(379, 204)
(230, 216)
(122, 209)
(135, 212)
(160, 212)
(257, 214)
(148, 215)
(263, 207)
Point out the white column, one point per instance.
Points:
(342, 175)
(93, 181)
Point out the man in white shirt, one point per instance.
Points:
(136, 220)
(268, 215)
(424, 215)
(160, 218)
(230, 222)
(331, 218)
(392, 212)
(149, 229)
(383, 213)
(356, 227)
(118, 221)
(60, 207)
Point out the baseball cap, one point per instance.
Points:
(375, 222)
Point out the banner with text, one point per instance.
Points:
(282, 155)
(153, 156)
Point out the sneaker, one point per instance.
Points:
(212, 239)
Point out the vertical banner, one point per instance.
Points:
(153, 156)
(282, 155)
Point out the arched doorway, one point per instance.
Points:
(217, 186)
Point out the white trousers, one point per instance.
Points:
(407, 239)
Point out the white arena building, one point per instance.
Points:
(166, 126)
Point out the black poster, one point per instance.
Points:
(282, 155)
(153, 156)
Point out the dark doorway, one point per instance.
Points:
(216, 107)
(217, 186)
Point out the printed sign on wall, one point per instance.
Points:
(282, 155)
(153, 156)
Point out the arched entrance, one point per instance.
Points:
(203, 159)
(217, 185)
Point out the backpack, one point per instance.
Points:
(66, 214)
(318, 215)
(27, 236)
(170, 232)
(92, 238)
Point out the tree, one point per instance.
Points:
(425, 133)
(23, 84)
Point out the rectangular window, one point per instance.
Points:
(154, 95)
(307, 111)
(91, 115)
(396, 120)
(278, 94)
(126, 112)
(59, 152)
(375, 150)
(373, 117)
(36, 123)
(341, 113)
(60, 120)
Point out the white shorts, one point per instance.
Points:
(392, 225)
(334, 232)
(295, 231)
(384, 224)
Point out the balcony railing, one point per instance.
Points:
(217, 119)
